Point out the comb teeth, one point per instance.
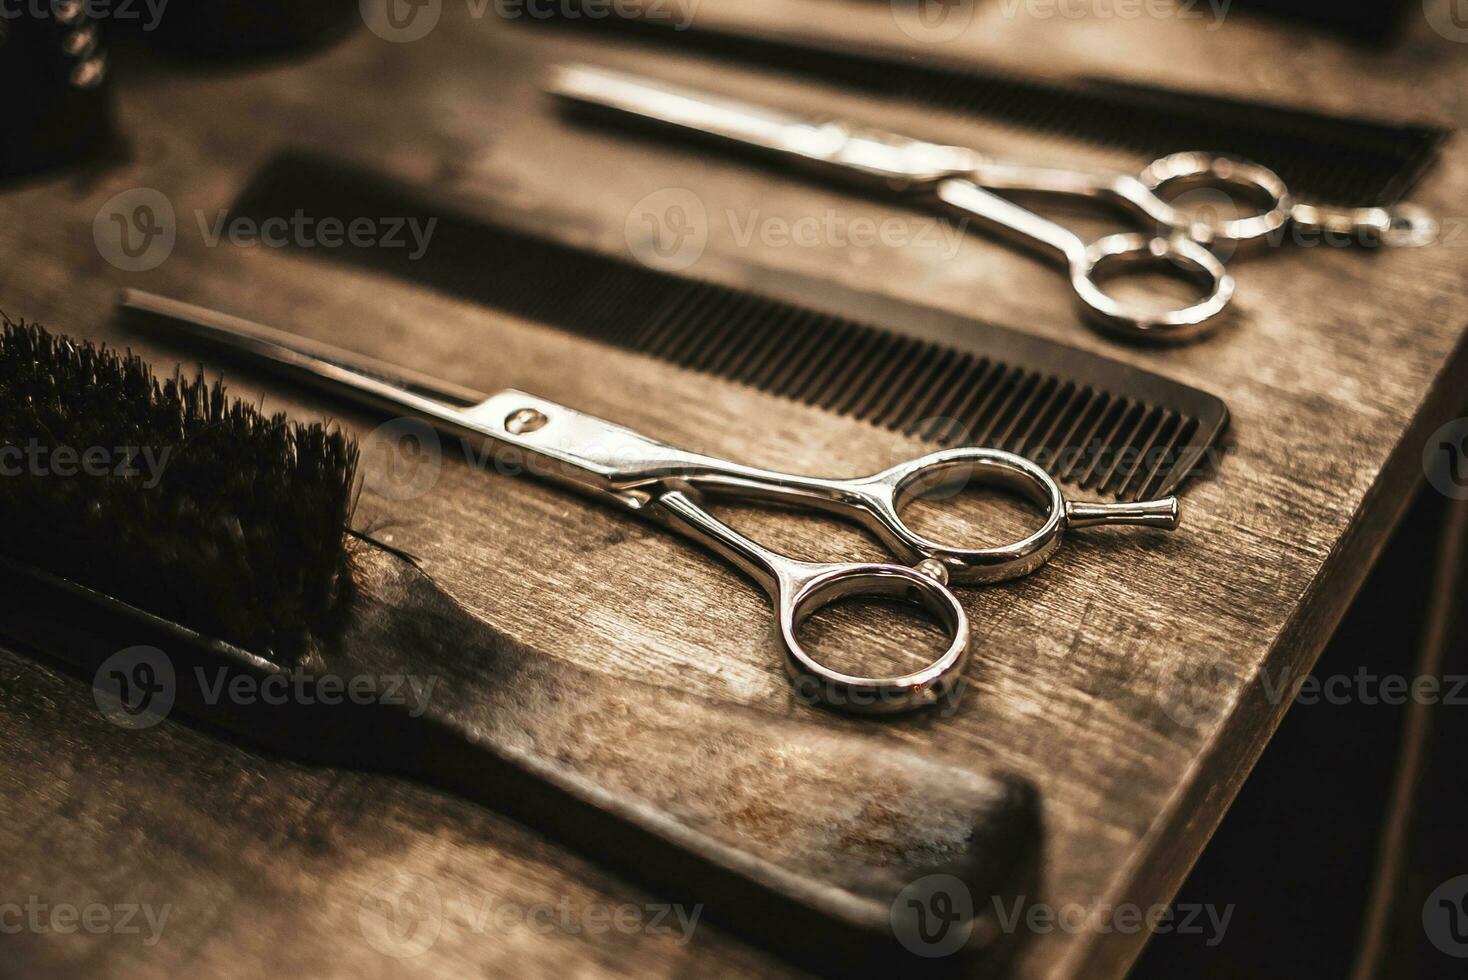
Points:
(1096, 424)
(1093, 439)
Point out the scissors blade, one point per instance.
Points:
(873, 156)
(591, 454)
(675, 105)
(330, 369)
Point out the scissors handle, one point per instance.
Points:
(1087, 262)
(887, 493)
(1229, 177)
(798, 588)
(876, 503)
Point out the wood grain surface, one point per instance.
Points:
(1124, 679)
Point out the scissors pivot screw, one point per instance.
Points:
(525, 420)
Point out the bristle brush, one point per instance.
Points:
(187, 493)
(233, 558)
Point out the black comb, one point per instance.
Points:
(1324, 159)
(1097, 424)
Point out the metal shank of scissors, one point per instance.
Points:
(663, 484)
(954, 176)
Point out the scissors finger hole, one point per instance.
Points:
(872, 636)
(1151, 278)
(979, 512)
(1227, 201)
(928, 487)
(904, 610)
(1119, 258)
(1154, 289)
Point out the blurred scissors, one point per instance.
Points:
(664, 485)
(965, 180)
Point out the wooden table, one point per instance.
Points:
(1123, 679)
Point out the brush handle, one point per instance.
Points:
(797, 835)
(799, 832)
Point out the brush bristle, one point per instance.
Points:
(171, 496)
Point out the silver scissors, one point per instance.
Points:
(966, 180)
(665, 485)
